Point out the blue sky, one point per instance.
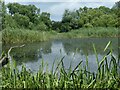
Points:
(56, 8)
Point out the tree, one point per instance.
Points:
(45, 17)
(56, 26)
(0, 16)
(116, 9)
(88, 25)
(104, 9)
(10, 22)
(65, 27)
(3, 13)
(117, 5)
(22, 21)
(13, 8)
(85, 9)
(41, 27)
(66, 16)
(30, 11)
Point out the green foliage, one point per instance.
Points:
(117, 11)
(21, 20)
(88, 25)
(65, 27)
(27, 16)
(56, 26)
(91, 32)
(41, 27)
(91, 17)
(45, 17)
(10, 22)
(117, 5)
(28, 10)
(66, 16)
(24, 36)
(2, 14)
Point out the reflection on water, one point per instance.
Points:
(74, 51)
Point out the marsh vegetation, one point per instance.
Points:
(26, 24)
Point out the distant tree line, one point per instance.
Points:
(89, 17)
(15, 15)
(26, 16)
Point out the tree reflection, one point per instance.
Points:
(85, 46)
(31, 52)
(35, 51)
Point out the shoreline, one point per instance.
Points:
(29, 36)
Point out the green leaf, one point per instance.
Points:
(107, 46)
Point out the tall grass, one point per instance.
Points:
(107, 75)
(24, 36)
(92, 32)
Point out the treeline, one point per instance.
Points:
(26, 16)
(16, 15)
(89, 17)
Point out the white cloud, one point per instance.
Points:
(58, 9)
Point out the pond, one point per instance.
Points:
(73, 51)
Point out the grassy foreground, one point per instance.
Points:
(24, 36)
(107, 75)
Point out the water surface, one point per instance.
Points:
(73, 51)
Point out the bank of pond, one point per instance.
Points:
(25, 36)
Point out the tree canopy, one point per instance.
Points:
(29, 17)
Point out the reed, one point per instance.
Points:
(91, 32)
(25, 36)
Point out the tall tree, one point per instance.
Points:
(45, 17)
(3, 13)
(30, 11)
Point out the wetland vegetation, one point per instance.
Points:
(27, 24)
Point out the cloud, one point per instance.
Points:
(57, 10)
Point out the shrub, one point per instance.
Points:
(88, 25)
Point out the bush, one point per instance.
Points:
(41, 27)
(88, 25)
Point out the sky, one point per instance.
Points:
(56, 8)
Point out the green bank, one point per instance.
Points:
(25, 36)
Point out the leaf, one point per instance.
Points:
(91, 83)
(107, 46)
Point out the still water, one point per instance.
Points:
(73, 51)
